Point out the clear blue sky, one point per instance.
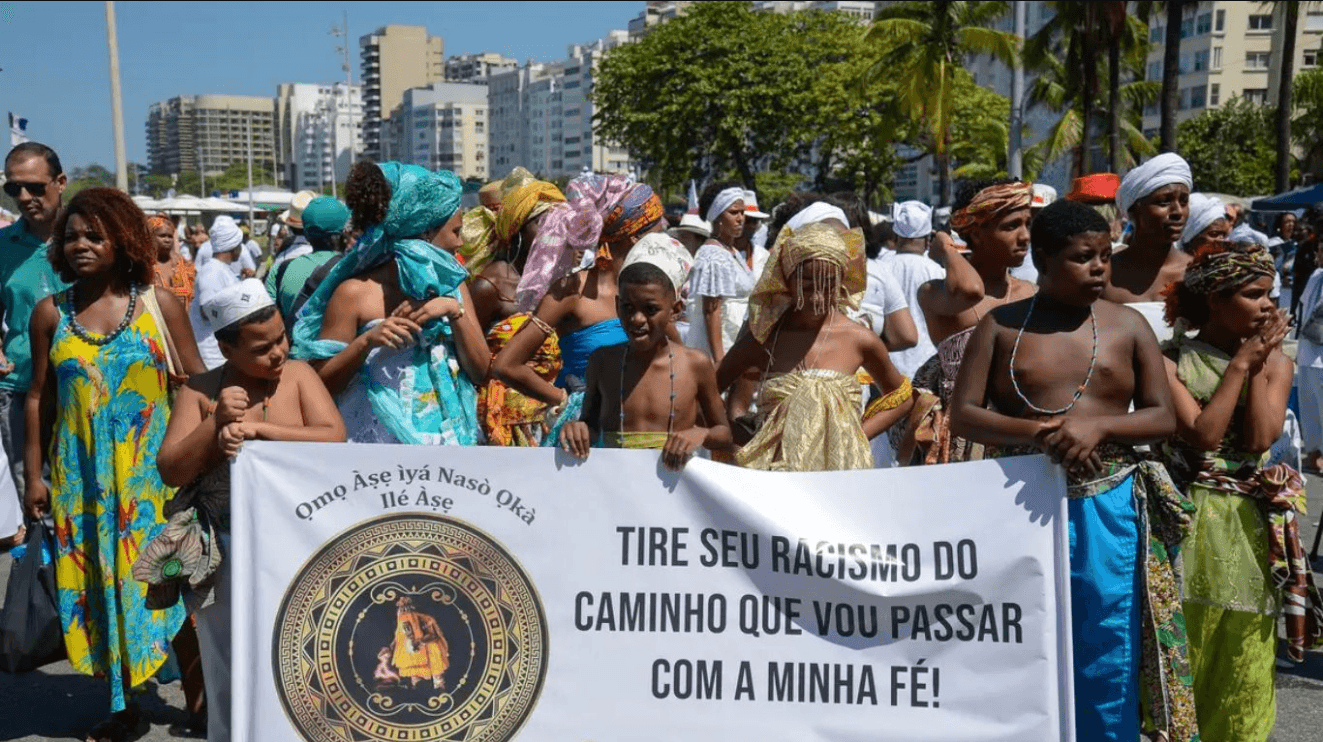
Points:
(55, 63)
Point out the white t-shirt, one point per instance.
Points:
(882, 296)
(212, 277)
(912, 271)
(1307, 354)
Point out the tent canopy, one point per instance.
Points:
(1300, 198)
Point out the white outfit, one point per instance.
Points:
(245, 261)
(718, 273)
(882, 295)
(912, 271)
(212, 277)
(214, 644)
(1309, 361)
(253, 250)
(1153, 314)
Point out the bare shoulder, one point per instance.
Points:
(693, 359)
(299, 371)
(207, 382)
(45, 311)
(567, 287)
(1279, 364)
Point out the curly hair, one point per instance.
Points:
(1057, 223)
(367, 194)
(121, 223)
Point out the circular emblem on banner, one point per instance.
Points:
(410, 627)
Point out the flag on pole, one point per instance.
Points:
(693, 198)
(18, 130)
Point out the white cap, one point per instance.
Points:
(293, 216)
(694, 223)
(912, 219)
(224, 234)
(751, 207)
(664, 252)
(235, 303)
(1043, 195)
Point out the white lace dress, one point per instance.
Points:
(717, 272)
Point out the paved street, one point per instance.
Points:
(56, 703)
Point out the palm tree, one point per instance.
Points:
(927, 42)
(1171, 61)
(1290, 17)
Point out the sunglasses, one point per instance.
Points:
(13, 188)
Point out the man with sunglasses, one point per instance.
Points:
(34, 179)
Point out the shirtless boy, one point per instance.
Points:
(1059, 373)
(648, 392)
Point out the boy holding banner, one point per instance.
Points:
(645, 393)
(1020, 389)
(259, 393)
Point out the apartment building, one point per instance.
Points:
(861, 10)
(1230, 49)
(478, 67)
(655, 12)
(318, 133)
(394, 59)
(509, 120)
(441, 127)
(209, 132)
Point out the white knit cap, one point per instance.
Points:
(235, 303)
(225, 234)
(912, 219)
(1163, 170)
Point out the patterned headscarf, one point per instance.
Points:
(830, 250)
(990, 203)
(522, 203)
(633, 214)
(159, 220)
(1218, 266)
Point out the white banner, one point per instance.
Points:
(438, 593)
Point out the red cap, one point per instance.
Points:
(1098, 188)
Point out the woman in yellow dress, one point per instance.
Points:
(99, 400)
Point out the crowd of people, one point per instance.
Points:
(1130, 331)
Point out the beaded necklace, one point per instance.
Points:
(1015, 349)
(624, 358)
(93, 338)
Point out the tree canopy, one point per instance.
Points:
(1230, 149)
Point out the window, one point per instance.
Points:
(1260, 23)
(1187, 28)
(1157, 33)
(1217, 58)
(1203, 24)
(1313, 21)
(1257, 60)
(1198, 97)
(1201, 60)
(1214, 94)
(1184, 102)
(1221, 22)
(1155, 70)
(1257, 96)
(1311, 59)
(571, 84)
(1184, 65)
(478, 128)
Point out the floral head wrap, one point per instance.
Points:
(633, 214)
(421, 200)
(159, 220)
(1218, 266)
(990, 203)
(830, 251)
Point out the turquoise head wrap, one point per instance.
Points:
(441, 406)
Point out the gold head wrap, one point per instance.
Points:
(487, 233)
(522, 203)
(990, 203)
(832, 251)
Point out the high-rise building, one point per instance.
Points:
(655, 12)
(441, 127)
(394, 59)
(318, 133)
(478, 67)
(1230, 49)
(208, 133)
(542, 116)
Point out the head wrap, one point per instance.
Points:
(723, 201)
(521, 203)
(818, 211)
(235, 303)
(225, 235)
(1099, 188)
(1163, 170)
(490, 195)
(160, 220)
(574, 225)
(912, 219)
(420, 201)
(664, 252)
(1204, 210)
(830, 249)
(1044, 194)
(324, 217)
(990, 203)
(1218, 266)
(636, 212)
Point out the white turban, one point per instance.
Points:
(235, 303)
(1204, 210)
(723, 201)
(1163, 170)
(913, 219)
(664, 252)
(819, 211)
(224, 234)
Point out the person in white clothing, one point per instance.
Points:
(299, 246)
(214, 275)
(912, 268)
(1309, 362)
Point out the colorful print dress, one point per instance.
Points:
(107, 498)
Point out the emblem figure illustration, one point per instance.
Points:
(419, 650)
